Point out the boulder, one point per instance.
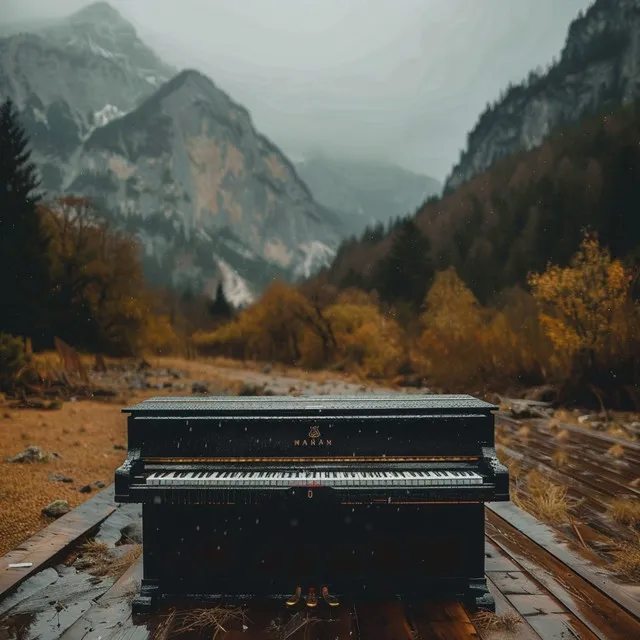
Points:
(56, 508)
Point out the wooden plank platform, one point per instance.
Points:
(42, 548)
(539, 587)
(544, 537)
(441, 620)
(588, 612)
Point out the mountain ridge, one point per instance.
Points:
(598, 65)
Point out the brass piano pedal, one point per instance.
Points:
(328, 599)
(295, 598)
(312, 598)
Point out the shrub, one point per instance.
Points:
(14, 359)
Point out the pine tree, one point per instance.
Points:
(405, 272)
(220, 309)
(24, 273)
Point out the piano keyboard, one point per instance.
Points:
(239, 479)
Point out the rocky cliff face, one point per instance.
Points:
(599, 65)
(73, 75)
(168, 155)
(190, 155)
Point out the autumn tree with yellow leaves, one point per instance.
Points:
(99, 299)
(450, 346)
(464, 346)
(349, 333)
(593, 323)
(578, 326)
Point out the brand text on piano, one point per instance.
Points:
(313, 440)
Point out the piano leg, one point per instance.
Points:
(148, 599)
(480, 598)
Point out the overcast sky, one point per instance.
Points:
(400, 80)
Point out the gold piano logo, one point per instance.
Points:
(314, 439)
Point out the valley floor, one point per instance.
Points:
(575, 576)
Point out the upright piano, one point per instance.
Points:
(373, 496)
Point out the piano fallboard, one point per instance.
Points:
(301, 436)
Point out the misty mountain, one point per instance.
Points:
(373, 191)
(169, 155)
(71, 76)
(599, 66)
(188, 158)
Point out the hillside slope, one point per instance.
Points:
(528, 209)
(599, 66)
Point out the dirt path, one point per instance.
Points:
(280, 381)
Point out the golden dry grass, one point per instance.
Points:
(626, 511)
(524, 431)
(627, 560)
(100, 560)
(295, 623)
(488, 621)
(543, 499)
(209, 619)
(563, 434)
(616, 451)
(618, 431)
(559, 458)
(165, 627)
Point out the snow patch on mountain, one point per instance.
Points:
(240, 249)
(312, 256)
(40, 116)
(235, 287)
(105, 115)
(99, 51)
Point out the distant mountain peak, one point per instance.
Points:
(98, 11)
(372, 190)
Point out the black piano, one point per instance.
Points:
(373, 496)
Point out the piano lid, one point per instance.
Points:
(398, 403)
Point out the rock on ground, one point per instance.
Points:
(30, 454)
(56, 508)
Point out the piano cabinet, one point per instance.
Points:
(234, 553)
(375, 497)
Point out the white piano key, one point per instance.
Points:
(368, 478)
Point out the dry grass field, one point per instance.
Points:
(83, 434)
